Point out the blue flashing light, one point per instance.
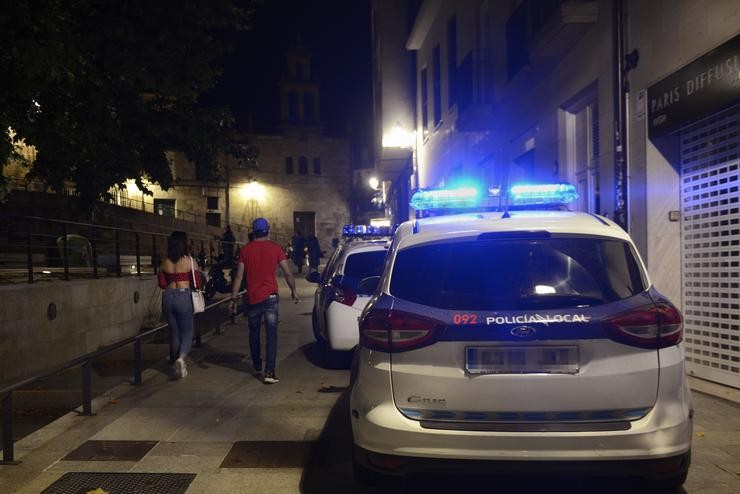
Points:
(463, 197)
(471, 198)
(531, 194)
(358, 231)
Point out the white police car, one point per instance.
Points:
(523, 338)
(338, 300)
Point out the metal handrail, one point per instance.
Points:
(103, 242)
(85, 362)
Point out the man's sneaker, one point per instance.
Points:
(270, 378)
(181, 370)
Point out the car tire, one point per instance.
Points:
(370, 478)
(315, 326)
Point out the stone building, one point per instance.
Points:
(635, 103)
(301, 180)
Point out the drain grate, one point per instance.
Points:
(111, 451)
(120, 483)
(274, 454)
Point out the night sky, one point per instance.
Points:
(338, 34)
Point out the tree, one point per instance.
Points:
(103, 89)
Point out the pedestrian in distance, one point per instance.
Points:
(227, 240)
(314, 252)
(299, 244)
(178, 274)
(257, 261)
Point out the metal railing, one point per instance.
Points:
(34, 248)
(85, 363)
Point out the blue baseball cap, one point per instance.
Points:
(260, 225)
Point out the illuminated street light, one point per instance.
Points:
(253, 191)
(374, 182)
(397, 137)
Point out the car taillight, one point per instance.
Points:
(657, 326)
(396, 331)
(344, 295)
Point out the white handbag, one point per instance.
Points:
(199, 300)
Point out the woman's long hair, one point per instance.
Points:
(177, 246)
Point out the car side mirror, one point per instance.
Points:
(313, 277)
(369, 285)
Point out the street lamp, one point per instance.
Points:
(374, 183)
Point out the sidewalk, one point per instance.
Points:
(196, 421)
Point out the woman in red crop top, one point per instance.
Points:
(176, 279)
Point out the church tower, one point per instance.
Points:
(299, 91)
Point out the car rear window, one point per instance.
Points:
(363, 264)
(517, 274)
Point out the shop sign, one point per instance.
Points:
(700, 88)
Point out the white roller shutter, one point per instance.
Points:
(710, 207)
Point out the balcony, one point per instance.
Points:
(546, 29)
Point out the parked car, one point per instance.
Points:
(338, 300)
(523, 338)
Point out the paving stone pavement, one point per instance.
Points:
(196, 422)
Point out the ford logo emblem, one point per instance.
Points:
(523, 331)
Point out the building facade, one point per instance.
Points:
(300, 181)
(632, 102)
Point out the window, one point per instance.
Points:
(451, 61)
(436, 85)
(289, 165)
(424, 100)
(361, 265)
(536, 273)
(292, 106)
(213, 219)
(581, 150)
(212, 202)
(308, 110)
(317, 166)
(164, 207)
(299, 71)
(303, 165)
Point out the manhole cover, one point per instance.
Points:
(274, 454)
(111, 451)
(121, 483)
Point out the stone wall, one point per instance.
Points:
(89, 314)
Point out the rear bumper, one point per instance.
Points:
(652, 469)
(662, 435)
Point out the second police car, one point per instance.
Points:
(338, 300)
(525, 337)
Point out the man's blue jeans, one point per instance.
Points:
(177, 306)
(255, 312)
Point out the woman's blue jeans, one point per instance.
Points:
(255, 312)
(177, 306)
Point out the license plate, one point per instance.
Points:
(522, 360)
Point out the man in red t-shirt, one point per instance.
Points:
(258, 259)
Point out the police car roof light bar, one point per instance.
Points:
(472, 198)
(365, 231)
(537, 194)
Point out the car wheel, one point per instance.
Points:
(368, 477)
(315, 326)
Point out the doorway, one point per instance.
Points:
(304, 222)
